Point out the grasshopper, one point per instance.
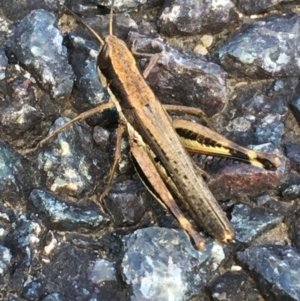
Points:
(159, 145)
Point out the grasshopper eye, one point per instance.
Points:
(103, 60)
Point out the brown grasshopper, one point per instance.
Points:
(159, 146)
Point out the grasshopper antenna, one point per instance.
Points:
(86, 25)
(111, 16)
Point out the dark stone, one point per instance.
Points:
(17, 177)
(93, 277)
(236, 286)
(72, 163)
(230, 180)
(48, 64)
(267, 48)
(278, 266)
(290, 187)
(249, 222)
(190, 17)
(294, 229)
(128, 5)
(258, 6)
(54, 297)
(295, 106)
(292, 153)
(65, 215)
(33, 290)
(126, 203)
(161, 264)
(5, 261)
